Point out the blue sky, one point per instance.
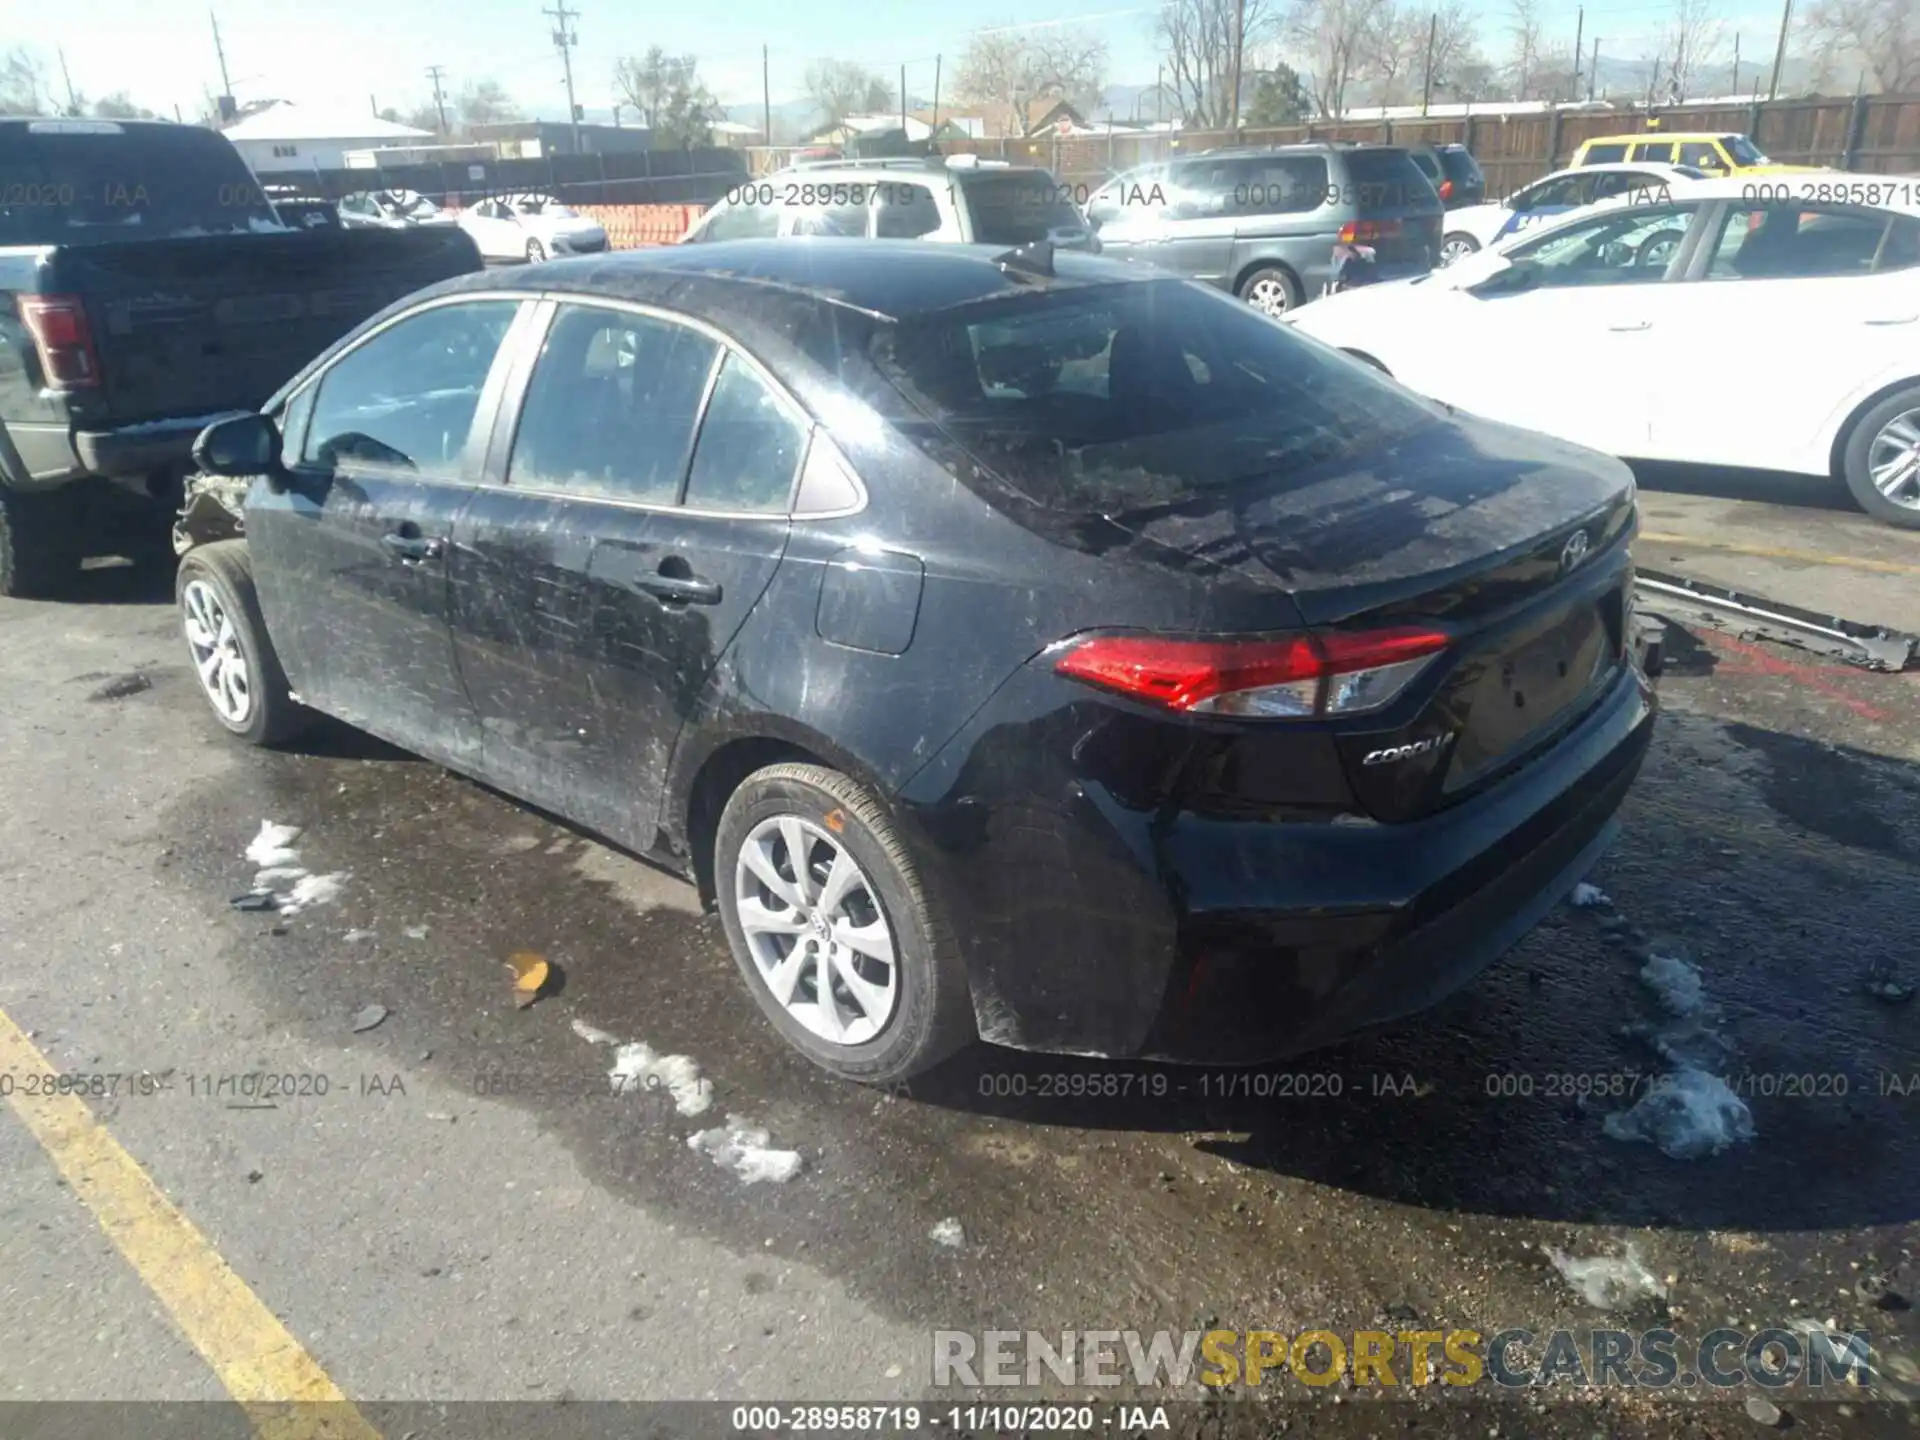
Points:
(338, 52)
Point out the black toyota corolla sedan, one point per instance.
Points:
(1010, 644)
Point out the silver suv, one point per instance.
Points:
(1270, 225)
(960, 200)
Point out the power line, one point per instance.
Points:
(565, 38)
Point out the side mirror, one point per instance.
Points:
(239, 446)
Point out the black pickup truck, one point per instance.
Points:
(146, 285)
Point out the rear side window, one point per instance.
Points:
(612, 406)
(1461, 167)
(1428, 163)
(1279, 184)
(904, 212)
(405, 399)
(1111, 399)
(1610, 154)
(749, 446)
(135, 182)
(1659, 151)
(1017, 208)
(1777, 242)
(1388, 182)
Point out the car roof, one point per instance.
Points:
(891, 279)
(1676, 173)
(1658, 135)
(1855, 189)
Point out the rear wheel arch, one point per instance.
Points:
(1365, 359)
(1843, 436)
(704, 786)
(1254, 267)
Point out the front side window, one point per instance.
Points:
(405, 399)
(1630, 246)
(1744, 152)
(749, 446)
(1807, 241)
(743, 220)
(1549, 194)
(1702, 155)
(612, 406)
(1109, 399)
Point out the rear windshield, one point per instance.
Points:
(1460, 166)
(68, 187)
(1114, 399)
(1429, 163)
(1017, 207)
(1389, 181)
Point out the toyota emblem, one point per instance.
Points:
(1574, 551)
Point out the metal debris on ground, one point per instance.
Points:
(1872, 647)
(1608, 1282)
(367, 1017)
(745, 1149)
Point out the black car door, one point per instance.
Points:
(384, 448)
(645, 477)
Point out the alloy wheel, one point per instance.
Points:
(1269, 295)
(217, 655)
(819, 938)
(1456, 248)
(1893, 459)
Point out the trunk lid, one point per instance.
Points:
(1397, 209)
(219, 322)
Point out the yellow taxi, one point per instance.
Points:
(1716, 154)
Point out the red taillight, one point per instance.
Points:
(1363, 232)
(1335, 673)
(58, 325)
(1446, 189)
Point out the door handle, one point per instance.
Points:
(410, 549)
(1632, 325)
(1897, 320)
(679, 589)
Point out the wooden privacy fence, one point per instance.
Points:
(1875, 133)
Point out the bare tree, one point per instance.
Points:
(119, 106)
(1881, 37)
(842, 88)
(1339, 40)
(1013, 68)
(485, 102)
(1460, 71)
(1397, 50)
(1537, 68)
(1693, 38)
(668, 93)
(23, 84)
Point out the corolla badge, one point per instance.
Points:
(1574, 551)
(1428, 746)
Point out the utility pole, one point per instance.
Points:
(766, 100)
(224, 108)
(1160, 93)
(1734, 88)
(439, 99)
(936, 93)
(1239, 45)
(1780, 51)
(1426, 84)
(1593, 67)
(73, 99)
(903, 102)
(1579, 35)
(564, 38)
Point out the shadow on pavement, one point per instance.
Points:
(1772, 487)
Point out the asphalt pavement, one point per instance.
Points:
(453, 1204)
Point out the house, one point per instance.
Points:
(1000, 120)
(288, 138)
(735, 135)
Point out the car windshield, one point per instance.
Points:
(1744, 151)
(1017, 207)
(1118, 398)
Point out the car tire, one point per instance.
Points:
(927, 1012)
(1648, 246)
(1876, 442)
(220, 613)
(1271, 290)
(1457, 246)
(536, 252)
(40, 541)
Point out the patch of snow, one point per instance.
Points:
(1586, 896)
(593, 1034)
(354, 937)
(416, 932)
(949, 1233)
(1689, 1115)
(267, 879)
(1675, 983)
(1608, 1282)
(311, 890)
(273, 846)
(637, 1066)
(746, 1150)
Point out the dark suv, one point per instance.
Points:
(1268, 224)
(1453, 172)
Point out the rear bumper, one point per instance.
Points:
(1093, 927)
(141, 457)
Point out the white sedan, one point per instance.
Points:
(530, 228)
(1770, 323)
(1476, 227)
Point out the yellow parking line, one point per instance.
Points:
(1772, 552)
(285, 1393)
